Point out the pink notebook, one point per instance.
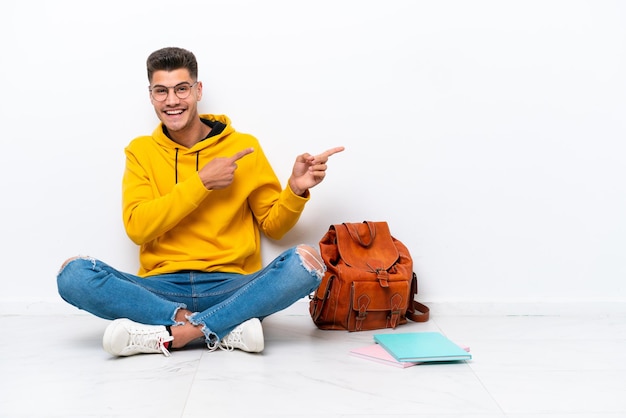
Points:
(378, 354)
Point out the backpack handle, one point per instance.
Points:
(356, 236)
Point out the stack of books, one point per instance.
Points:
(412, 348)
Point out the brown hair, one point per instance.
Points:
(172, 58)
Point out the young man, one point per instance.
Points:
(196, 196)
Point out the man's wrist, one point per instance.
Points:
(297, 191)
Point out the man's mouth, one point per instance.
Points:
(173, 112)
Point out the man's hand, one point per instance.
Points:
(309, 170)
(220, 172)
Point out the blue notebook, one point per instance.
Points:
(421, 347)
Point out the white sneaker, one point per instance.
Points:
(124, 337)
(247, 337)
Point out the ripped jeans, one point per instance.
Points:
(219, 301)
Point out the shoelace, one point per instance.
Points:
(150, 340)
(227, 343)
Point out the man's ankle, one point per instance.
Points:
(184, 334)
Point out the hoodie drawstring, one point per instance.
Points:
(176, 165)
(176, 168)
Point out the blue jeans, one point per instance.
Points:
(219, 301)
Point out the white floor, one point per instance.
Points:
(523, 366)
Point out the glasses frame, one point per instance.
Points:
(191, 86)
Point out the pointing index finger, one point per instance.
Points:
(242, 154)
(331, 151)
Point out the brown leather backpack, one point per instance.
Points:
(369, 283)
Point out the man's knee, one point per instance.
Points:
(66, 262)
(71, 270)
(311, 259)
(69, 260)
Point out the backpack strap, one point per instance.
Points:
(417, 311)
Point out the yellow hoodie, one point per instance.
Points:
(180, 225)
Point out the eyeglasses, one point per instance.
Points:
(182, 91)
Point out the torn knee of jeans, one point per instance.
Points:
(81, 257)
(311, 260)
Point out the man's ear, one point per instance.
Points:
(199, 87)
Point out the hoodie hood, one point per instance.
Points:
(220, 128)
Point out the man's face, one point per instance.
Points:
(167, 88)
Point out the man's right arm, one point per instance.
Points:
(147, 215)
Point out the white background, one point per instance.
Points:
(489, 134)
